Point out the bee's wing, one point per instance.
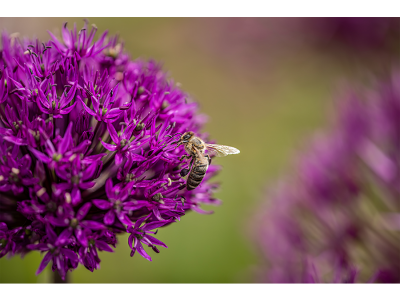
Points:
(221, 150)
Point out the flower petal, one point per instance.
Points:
(113, 133)
(75, 196)
(101, 245)
(109, 217)
(102, 204)
(92, 225)
(109, 147)
(130, 240)
(71, 255)
(64, 237)
(81, 236)
(45, 262)
(141, 251)
(155, 241)
(82, 212)
(39, 155)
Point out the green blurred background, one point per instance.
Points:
(266, 84)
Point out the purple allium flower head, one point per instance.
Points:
(338, 220)
(87, 149)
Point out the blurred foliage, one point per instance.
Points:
(264, 108)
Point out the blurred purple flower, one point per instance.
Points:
(140, 234)
(86, 149)
(337, 220)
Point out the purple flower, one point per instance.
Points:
(89, 256)
(139, 234)
(7, 243)
(15, 173)
(75, 223)
(51, 104)
(79, 42)
(337, 219)
(122, 143)
(115, 204)
(61, 256)
(87, 149)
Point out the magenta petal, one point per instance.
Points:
(44, 263)
(130, 240)
(61, 222)
(66, 140)
(81, 236)
(92, 225)
(118, 159)
(124, 219)
(89, 172)
(75, 196)
(102, 204)
(141, 251)
(64, 237)
(113, 133)
(87, 185)
(156, 212)
(51, 234)
(88, 110)
(39, 155)
(139, 222)
(154, 225)
(15, 140)
(82, 212)
(137, 157)
(109, 217)
(109, 147)
(155, 241)
(68, 109)
(101, 245)
(71, 255)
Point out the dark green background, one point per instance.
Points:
(264, 95)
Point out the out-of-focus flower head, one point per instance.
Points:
(86, 149)
(337, 220)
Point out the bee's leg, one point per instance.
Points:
(185, 157)
(209, 158)
(184, 172)
(191, 163)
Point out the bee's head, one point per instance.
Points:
(185, 137)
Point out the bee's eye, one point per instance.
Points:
(186, 137)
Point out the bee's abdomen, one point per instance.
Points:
(196, 176)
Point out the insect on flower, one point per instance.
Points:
(195, 148)
(85, 150)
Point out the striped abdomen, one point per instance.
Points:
(197, 173)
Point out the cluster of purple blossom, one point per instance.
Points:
(87, 149)
(338, 220)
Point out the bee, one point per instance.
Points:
(195, 148)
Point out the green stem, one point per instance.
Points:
(56, 278)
